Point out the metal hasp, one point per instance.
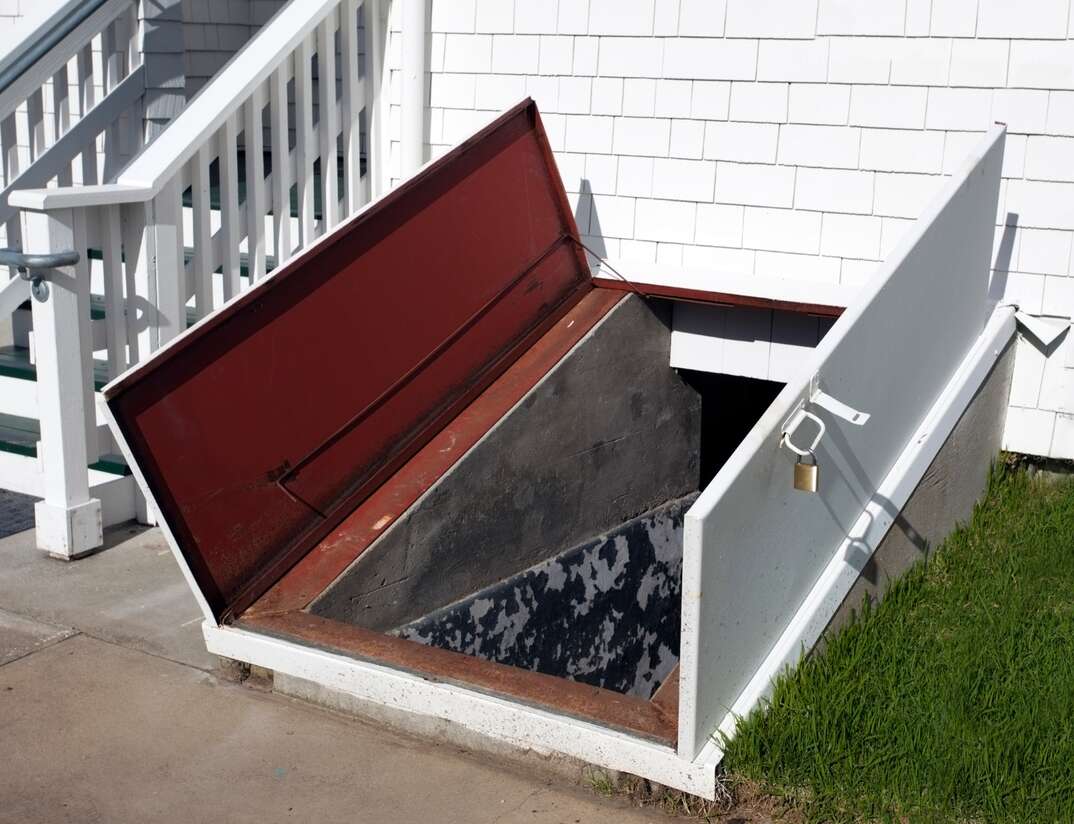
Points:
(35, 268)
(263, 427)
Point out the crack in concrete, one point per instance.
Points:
(47, 645)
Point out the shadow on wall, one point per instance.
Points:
(1001, 266)
(585, 215)
(589, 227)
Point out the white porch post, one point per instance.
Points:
(68, 520)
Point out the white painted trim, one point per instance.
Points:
(118, 499)
(795, 391)
(491, 716)
(22, 474)
(839, 576)
(78, 197)
(732, 283)
(20, 396)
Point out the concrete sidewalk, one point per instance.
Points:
(110, 710)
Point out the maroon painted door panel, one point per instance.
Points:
(262, 428)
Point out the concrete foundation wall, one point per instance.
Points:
(605, 613)
(611, 432)
(946, 495)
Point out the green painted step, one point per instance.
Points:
(19, 436)
(214, 184)
(15, 363)
(188, 256)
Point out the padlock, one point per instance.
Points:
(805, 475)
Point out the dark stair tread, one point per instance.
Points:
(19, 436)
(214, 184)
(15, 363)
(97, 306)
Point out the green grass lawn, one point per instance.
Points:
(953, 700)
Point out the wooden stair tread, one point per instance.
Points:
(15, 363)
(19, 436)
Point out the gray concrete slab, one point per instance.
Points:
(131, 593)
(97, 732)
(21, 636)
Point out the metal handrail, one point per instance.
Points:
(36, 268)
(45, 37)
(30, 262)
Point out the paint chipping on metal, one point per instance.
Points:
(605, 612)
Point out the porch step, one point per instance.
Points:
(214, 184)
(19, 436)
(98, 311)
(188, 257)
(18, 387)
(15, 363)
(116, 492)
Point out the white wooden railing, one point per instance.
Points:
(297, 113)
(45, 135)
(71, 109)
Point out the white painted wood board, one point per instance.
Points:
(754, 546)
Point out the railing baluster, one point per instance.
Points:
(203, 244)
(140, 290)
(376, 107)
(35, 119)
(255, 185)
(281, 165)
(61, 117)
(113, 56)
(9, 143)
(304, 148)
(134, 53)
(115, 310)
(326, 85)
(132, 59)
(9, 159)
(87, 96)
(352, 104)
(81, 284)
(230, 231)
(167, 269)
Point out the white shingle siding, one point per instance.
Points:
(11, 11)
(213, 30)
(793, 138)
